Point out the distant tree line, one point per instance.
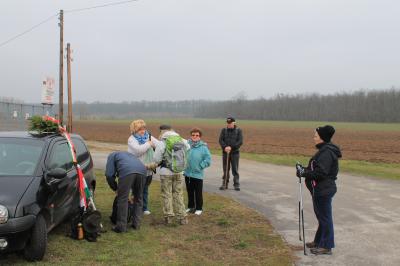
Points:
(359, 106)
(157, 109)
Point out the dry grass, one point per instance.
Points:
(226, 234)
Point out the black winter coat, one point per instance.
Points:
(231, 137)
(322, 170)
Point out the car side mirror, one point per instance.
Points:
(57, 173)
(54, 177)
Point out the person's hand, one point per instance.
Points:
(151, 166)
(228, 149)
(299, 170)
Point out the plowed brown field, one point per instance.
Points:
(367, 145)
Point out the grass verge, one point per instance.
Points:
(226, 234)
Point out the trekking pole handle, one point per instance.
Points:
(299, 170)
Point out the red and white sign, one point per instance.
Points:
(48, 91)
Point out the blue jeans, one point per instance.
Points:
(324, 237)
(147, 183)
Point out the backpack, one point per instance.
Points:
(175, 155)
(91, 224)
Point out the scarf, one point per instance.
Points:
(194, 144)
(142, 139)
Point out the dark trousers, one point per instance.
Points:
(233, 164)
(125, 184)
(147, 183)
(324, 237)
(194, 187)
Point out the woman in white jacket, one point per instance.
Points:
(142, 144)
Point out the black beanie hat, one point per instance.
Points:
(325, 132)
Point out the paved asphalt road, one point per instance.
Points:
(366, 211)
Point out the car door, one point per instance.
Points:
(65, 197)
(84, 159)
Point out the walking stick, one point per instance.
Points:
(227, 168)
(301, 213)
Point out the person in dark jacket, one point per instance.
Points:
(231, 139)
(320, 176)
(131, 172)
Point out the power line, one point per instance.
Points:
(99, 6)
(28, 30)
(66, 11)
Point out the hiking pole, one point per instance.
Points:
(301, 210)
(226, 174)
(302, 216)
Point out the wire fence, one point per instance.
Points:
(15, 116)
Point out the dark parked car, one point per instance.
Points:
(38, 188)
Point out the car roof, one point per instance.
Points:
(28, 135)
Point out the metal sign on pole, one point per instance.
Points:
(48, 91)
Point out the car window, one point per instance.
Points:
(82, 153)
(19, 156)
(61, 156)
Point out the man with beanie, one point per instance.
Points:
(230, 140)
(131, 173)
(320, 176)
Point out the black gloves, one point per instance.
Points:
(299, 170)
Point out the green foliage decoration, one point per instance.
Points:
(41, 126)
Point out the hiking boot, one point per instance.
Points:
(237, 188)
(321, 251)
(222, 187)
(183, 221)
(167, 220)
(311, 244)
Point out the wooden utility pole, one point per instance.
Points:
(61, 81)
(69, 123)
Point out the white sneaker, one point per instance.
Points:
(146, 212)
(198, 212)
(188, 210)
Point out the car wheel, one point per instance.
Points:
(36, 246)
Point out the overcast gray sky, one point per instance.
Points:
(202, 49)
